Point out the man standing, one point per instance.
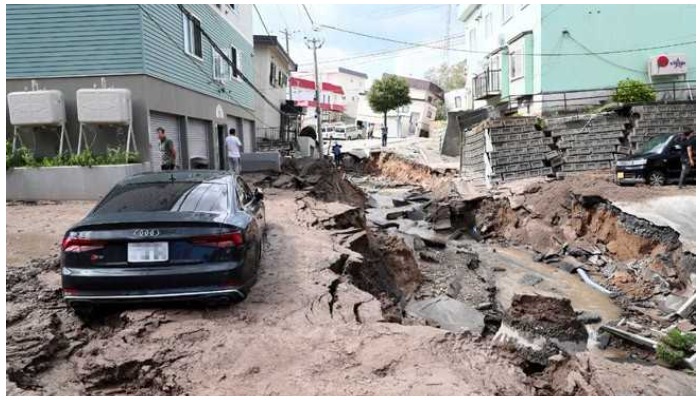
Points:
(168, 154)
(687, 154)
(336, 153)
(233, 149)
(385, 133)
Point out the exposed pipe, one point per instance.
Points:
(591, 283)
(687, 307)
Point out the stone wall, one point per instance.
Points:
(504, 149)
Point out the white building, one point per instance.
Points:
(273, 67)
(411, 120)
(458, 100)
(353, 84)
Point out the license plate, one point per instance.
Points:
(148, 252)
(620, 175)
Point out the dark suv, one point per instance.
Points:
(655, 163)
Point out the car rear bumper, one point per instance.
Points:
(143, 284)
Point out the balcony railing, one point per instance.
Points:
(487, 84)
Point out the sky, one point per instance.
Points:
(407, 22)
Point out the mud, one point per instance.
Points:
(317, 322)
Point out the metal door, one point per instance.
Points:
(172, 131)
(198, 132)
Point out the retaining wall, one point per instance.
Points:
(504, 149)
(67, 183)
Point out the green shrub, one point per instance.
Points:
(23, 157)
(633, 91)
(674, 347)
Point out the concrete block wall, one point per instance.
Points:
(589, 141)
(514, 149)
(654, 119)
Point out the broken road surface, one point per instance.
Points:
(297, 333)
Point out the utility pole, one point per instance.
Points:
(315, 44)
(287, 34)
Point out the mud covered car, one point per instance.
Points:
(166, 236)
(656, 163)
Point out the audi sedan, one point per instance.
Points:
(179, 235)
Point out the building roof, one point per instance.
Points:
(264, 40)
(351, 72)
(421, 84)
(309, 84)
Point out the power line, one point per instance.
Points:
(490, 52)
(223, 55)
(261, 19)
(308, 15)
(196, 64)
(605, 60)
(386, 51)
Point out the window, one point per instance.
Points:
(516, 62)
(166, 196)
(273, 75)
(236, 64)
(472, 39)
(488, 25)
(507, 12)
(495, 62)
(429, 114)
(192, 32)
(243, 193)
(220, 67)
(458, 102)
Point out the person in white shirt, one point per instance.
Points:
(233, 148)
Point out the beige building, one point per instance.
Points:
(273, 67)
(353, 84)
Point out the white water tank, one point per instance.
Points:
(104, 106)
(40, 107)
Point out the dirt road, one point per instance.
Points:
(302, 331)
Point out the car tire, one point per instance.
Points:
(656, 178)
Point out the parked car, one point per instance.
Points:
(166, 236)
(656, 162)
(346, 132)
(327, 131)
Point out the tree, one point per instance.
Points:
(388, 93)
(633, 91)
(448, 77)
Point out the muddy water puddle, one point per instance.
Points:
(520, 272)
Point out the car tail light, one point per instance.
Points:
(225, 240)
(81, 245)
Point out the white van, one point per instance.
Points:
(326, 131)
(346, 132)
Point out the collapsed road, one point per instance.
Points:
(390, 283)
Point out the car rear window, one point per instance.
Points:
(166, 196)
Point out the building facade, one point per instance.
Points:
(273, 68)
(176, 78)
(353, 84)
(525, 57)
(332, 104)
(411, 120)
(458, 100)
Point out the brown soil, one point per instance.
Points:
(549, 316)
(403, 171)
(304, 330)
(35, 230)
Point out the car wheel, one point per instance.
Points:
(656, 178)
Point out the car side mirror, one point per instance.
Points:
(258, 195)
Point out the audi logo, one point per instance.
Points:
(146, 232)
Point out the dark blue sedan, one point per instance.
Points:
(166, 236)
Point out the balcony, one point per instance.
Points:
(487, 84)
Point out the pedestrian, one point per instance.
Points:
(385, 133)
(336, 153)
(168, 154)
(687, 153)
(233, 149)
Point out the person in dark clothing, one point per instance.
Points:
(168, 154)
(385, 133)
(687, 154)
(336, 153)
